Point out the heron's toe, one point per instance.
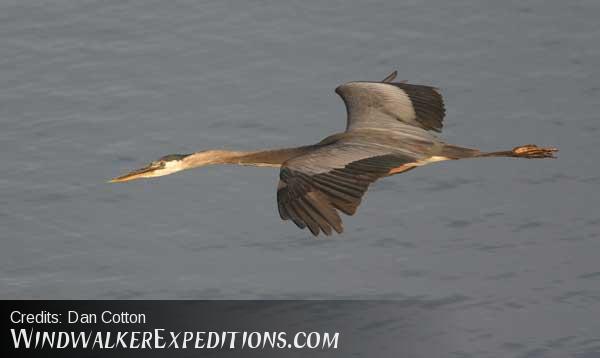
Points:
(532, 151)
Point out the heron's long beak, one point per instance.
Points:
(136, 174)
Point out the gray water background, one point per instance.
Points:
(92, 89)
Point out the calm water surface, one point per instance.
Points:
(509, 249)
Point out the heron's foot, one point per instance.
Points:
(532, 151)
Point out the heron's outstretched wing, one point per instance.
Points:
(383, 104)
(313, 187)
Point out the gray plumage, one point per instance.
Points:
(389, 130)
(387, 127)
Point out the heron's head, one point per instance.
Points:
(166, 165)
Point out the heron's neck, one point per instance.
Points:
(266, 158)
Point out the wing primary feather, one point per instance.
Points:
(306, 218)
(296, 219)
(316, 216)
(348, 208)
(283, 214)
(323, 207)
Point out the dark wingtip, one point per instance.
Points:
(428, 104)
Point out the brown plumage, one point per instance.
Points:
(388, 131)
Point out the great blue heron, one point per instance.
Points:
(388, 131)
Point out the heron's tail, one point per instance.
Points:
(528, 151)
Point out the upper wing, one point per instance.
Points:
(313, 187)
(383, 104)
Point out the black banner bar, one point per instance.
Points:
(224, 328)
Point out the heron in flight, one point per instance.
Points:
(388, 131)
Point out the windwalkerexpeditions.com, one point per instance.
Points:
(160, 338)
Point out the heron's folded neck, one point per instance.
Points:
(263, 158)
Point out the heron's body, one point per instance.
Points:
(388, 131)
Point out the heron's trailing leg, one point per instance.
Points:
(532, 151)
(528, 151)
